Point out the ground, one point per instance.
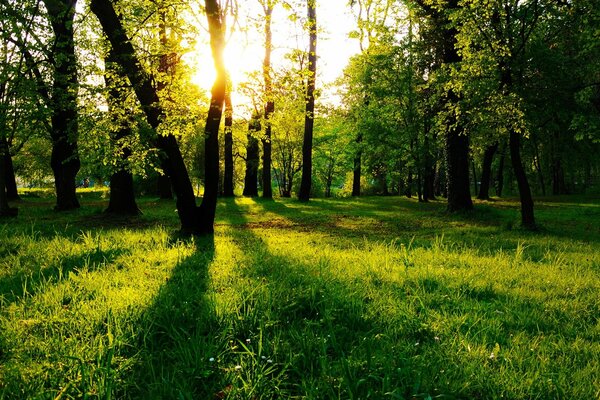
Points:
(334, 299)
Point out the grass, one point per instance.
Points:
(335, 299)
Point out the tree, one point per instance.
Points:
(306, 182)
(269, 102)
(252, 157)
(65, 160)
(196, 220)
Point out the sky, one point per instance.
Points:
(245, 51)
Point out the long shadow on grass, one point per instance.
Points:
(176, 335)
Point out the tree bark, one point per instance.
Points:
(252, 158)
(500, 173)
(64, 159)
(306, 183)
(356, 172)
(486, 172)
(269, 106)
(228, 148)
(9, 175)
(5, 209)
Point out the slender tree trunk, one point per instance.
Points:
(500, 173)
(309, 119)
(165, 191)
(252, 158)
(474, 170)
(486, 171)
(213, 121)
(64, 159)
(356, 173)
(228, 148)
(269, 106)
(514, 143)
(409, 183)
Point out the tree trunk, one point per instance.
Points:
(474, 171)
(165, 191)
(309, 119)
(486, 172)
(527, 217)
(456, 138)
(500, 174)
(269, 106)
(122, 195)
(356, 172)
(9, 175)
(5, 209)
(64, 159)
(228, 148)
(147, 95)
(252, 158)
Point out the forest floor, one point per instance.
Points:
(334, 299)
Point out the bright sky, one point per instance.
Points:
(245, 50)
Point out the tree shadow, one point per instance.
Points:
(177, 333)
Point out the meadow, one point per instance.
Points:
(369, 298)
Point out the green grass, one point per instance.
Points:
(335, 299)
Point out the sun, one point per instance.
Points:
(241, 58)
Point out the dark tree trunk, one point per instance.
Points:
(5, 209)
(164, 185)
(409, 183)
(474, 170)
(486, 172)
(269, 106)
(208, 207)
(514, 143)
(457, 169)
(558, 177)
(193, 220)
(456, 138)
(228, 148)
(122, 195)
(64, 159)
(252, 158)
(356, 173)
(306, 183)
(9, 175)
(500, 174)
(527, 217)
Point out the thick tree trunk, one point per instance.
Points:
(356, 172)
(269, 106)
(457, 169)
(456, 138)
(228, 148)
(252, 158)
(64, 159)
(5, 209)
(306, 183)
(486, 172)
(163, 183)
(9, 175)
(173, 164)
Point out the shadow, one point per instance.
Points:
(28, 282)
(177, 334)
